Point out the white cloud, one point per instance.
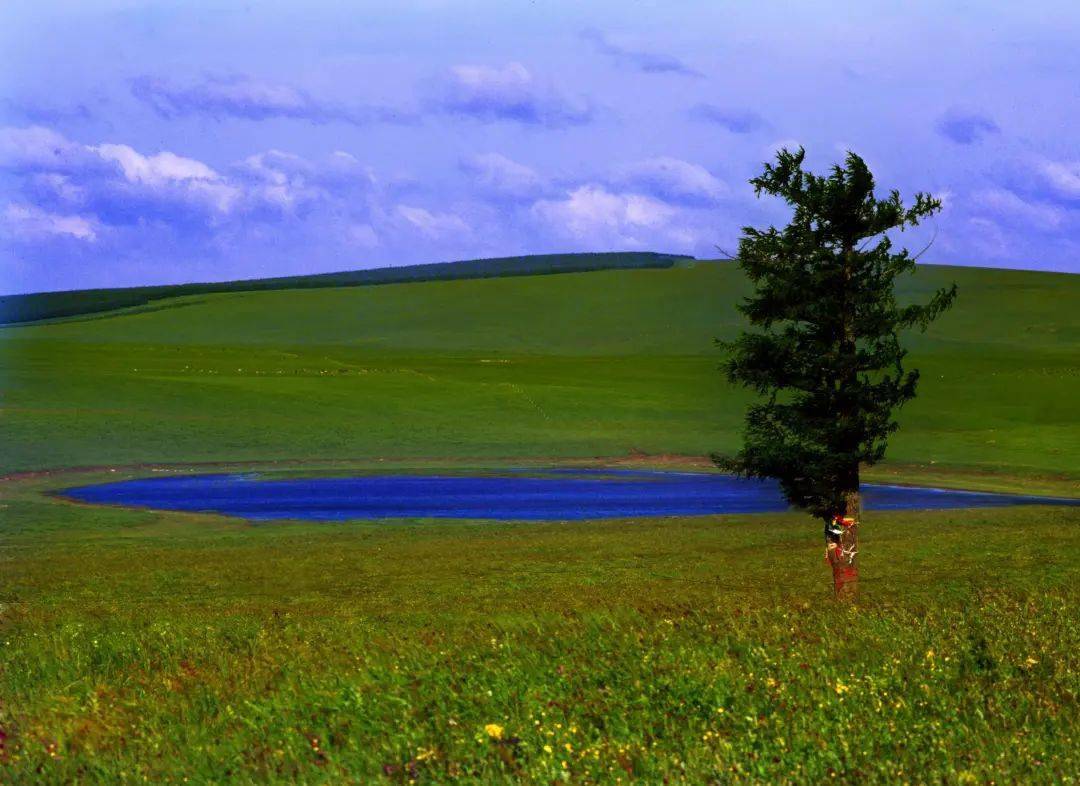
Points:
(278, 166)
(507, 93)
(1063, 176)
(288, 182)
(123, 186)
(30, 222)
(501, 176)
(57, 187)
(508, 80)
(274, 166)
(1011, 208)
(37, 149)
(173, 177)
(638, 59)
(111, 171)
(243, 97)
(279, 180)
(362, 235)
(595, 215)
(155, 170)
(675, 180)
(436, 226)
(987, 238)
(34, 144)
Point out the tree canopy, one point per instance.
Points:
(825, 355)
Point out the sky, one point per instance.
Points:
(162, 142)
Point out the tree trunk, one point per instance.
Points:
(842, 554)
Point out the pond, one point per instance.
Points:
(547, 495)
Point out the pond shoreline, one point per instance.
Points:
(534, 494)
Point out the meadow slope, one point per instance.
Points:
(143, 646)
(574, 365)
(138, 646)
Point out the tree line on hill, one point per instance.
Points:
(40, 306)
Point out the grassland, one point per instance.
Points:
(39, 306)
(141, 646)
(575, 365)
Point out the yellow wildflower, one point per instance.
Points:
(494, 730)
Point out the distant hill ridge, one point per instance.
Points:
(53, 305)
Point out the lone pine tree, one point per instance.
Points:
(825, 357)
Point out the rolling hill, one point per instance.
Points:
(160, 644)
(38, 306)
(587, 364)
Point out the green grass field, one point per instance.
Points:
(140, 646)
(39, 306)
(577, 365)
(159, 647)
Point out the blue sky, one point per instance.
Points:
(179, 141)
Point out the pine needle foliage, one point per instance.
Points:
(825, 354)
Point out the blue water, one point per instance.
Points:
(557, 494)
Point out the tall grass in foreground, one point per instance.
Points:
(162, 647)
(696, 696)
